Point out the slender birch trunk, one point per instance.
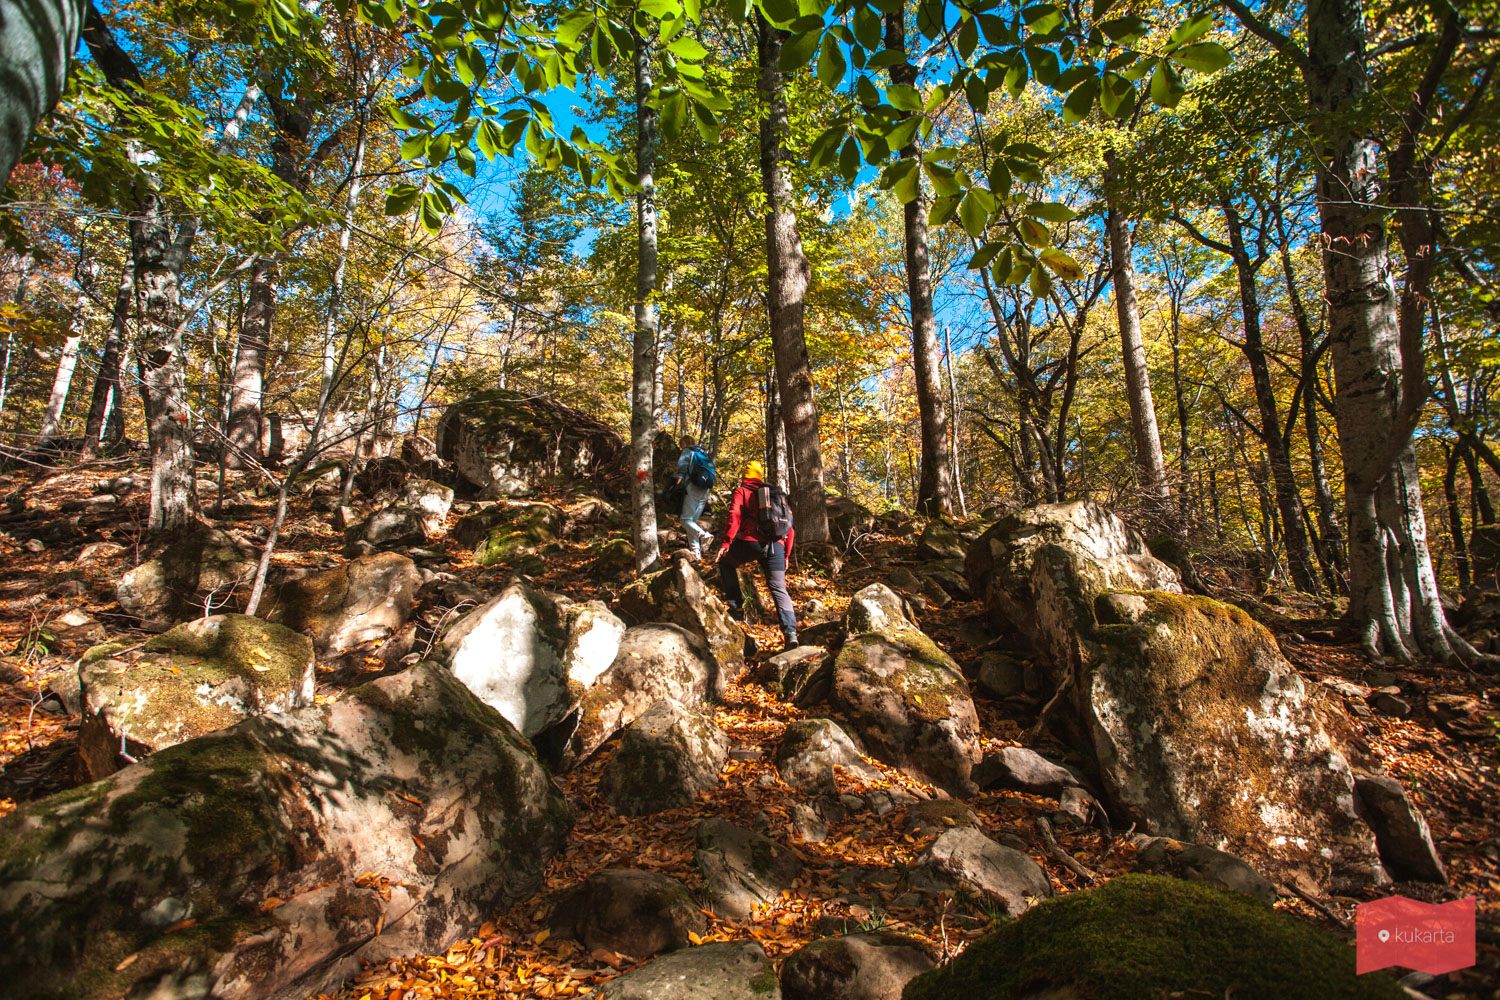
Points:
(643, 354)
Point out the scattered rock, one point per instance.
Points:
(874, 966)
(205, 675)
(264, 836)
(1001, 675)
(507, 532)
(381, 475)
(848, 521)
(653, 662)
(802, 676)
(394, 527)
(665, 758)
(811, 748)
(677, 595)
(34, 545)
(431, 501)
(1401, 833)
(963, 856)
(200, 568)
(743, 869)
(365, 600)
(936, 816)
(1201, 863)
(1025, 770)
(530, 657)
(807, 824)
(418, 450)
(941, 540)
(724, 970)
(629, 912)
(1079, 804)
(97, 552)
(1146, 936)
(904, 696)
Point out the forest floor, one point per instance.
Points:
(1446, 752)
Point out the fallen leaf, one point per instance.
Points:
(542, 935)
(127, 962)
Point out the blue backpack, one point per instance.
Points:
(701, 473)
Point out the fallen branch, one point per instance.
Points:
(1067, 860)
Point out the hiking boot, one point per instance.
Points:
(790, 642)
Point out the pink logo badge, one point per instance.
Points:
(1427, 937)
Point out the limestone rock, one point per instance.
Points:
(665, 758)
(205, 675)
(629, 912)
(724, 970)
(393, 527)
(677, 595)
(811, 747)
(510, 442)
(904, 697)
(1401, 833)
(937, 816)
(874, 966)
(1201, 863)
(941, 540)
(366, 599)
(410, 778)
(848, 521)
(964, 856)
(529, 657)
(1025, 770)
(431, 501)
(742, 868)
(199, 568)
(509, 531)
(653, 662)
(1001, 675)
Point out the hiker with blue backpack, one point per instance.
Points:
(696, 475)
(759, 530)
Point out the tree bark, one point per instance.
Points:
(247, 383)
(935, 484)
(107, 384)
(1455, 516)
(37, 42)
(67, 362)
(643, 359)
(1151, 467)
(787, 280)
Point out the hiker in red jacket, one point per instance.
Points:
(759, 529)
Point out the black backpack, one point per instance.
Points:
(701, 472)
(773, 516)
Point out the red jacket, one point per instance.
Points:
(743, 521)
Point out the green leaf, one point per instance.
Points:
(688, 48)
(414, 147)
(1081, 101)
(831, 64)
(909, 185)
(977, 93)
(1166, 86)
(866, 92)
(1042, 17)
(488, 137)
(984, 255)
(601, 51)
(1015, 78)
(996, 32)
(944, 179)
(463, 158)
(798, 51)
(1051, 211)
(708, 125)
(972, 215)
(1062, 265)
(693, 9)
(1126, 29)
(823, 147)
(438, 148)
(967, 40)
(942, 210)
(849, 161)
(1205, 57)
(1191, 30)
(400, 198)
(739, 10)
(1041, 282)
(903, 98)
(1034, 233)
(405, 119)
(1000, 179)
(1045, 66)
(1116, 96)
(432, 213)
(930, 18)
(937, 97)
(903, 133)
(674, 115)
(1018, 273)
(779, 12)
(867, 28)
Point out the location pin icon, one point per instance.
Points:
(1384, 936)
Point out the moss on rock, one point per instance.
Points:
(1144, 937)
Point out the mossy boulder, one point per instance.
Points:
(272, 858)
(873, 966)
(198, 677)
(653, 662)
(200, 568)
(364, 600)
(1144, 937)
(743, 869)
(629, 912)
(508, 532)
(530, 655)
(811, 748)
(941, 539)
(903, 696)
(1202, 731)
(612, 556)
(679, 596)
(507, 443)
(724, 970)
(665, 759)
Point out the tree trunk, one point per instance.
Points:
(67, 362)
(787, 279)
(643, 362)
(1288, 497)
(37, 41)
(331, 350)
(107, 385)
(777, 470)
(247, 384)
(1393, 592)
(1151, 467)
(935, 485)
(158, 267)
(1455, 516)
(952, 431)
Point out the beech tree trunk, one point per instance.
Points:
(935, 484)
(67, 362)
(1455, 516)
(247, 383)
(107, 387)
(787, 280)
(1151, 467)
(643, 361)
(1379, 379)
